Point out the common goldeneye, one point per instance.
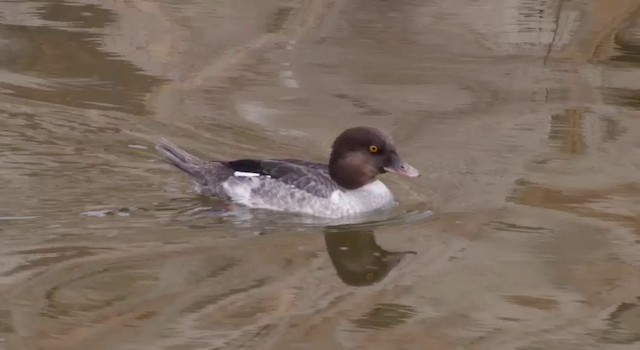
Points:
(345, 187)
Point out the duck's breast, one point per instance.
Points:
(373, 196)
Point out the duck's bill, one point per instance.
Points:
(400, 167)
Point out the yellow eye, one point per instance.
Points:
(373, 149)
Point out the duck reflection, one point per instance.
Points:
(358, 259)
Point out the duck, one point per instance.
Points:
(347, 185)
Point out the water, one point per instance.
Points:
(522, 232)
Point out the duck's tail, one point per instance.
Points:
(180, 158)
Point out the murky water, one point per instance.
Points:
(521, 114)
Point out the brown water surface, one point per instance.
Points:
(522, 115)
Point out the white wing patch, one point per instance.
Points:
(246, 174)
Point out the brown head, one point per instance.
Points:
(360, 154)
